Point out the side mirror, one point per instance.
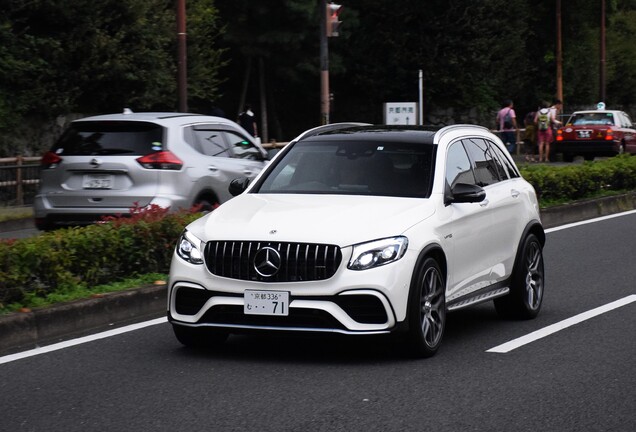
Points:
(466, 193)
(238, 186)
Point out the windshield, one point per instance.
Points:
(353, 168)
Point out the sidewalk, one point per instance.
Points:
(26, 330)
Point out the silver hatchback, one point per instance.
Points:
(105, 165)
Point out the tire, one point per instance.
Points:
(426, 310)
(199, 337)
(527, 283)
(44, 225)
(621, 148)
(205, 205)
(568, 157)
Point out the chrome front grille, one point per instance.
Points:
(298, 261)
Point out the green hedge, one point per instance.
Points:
(88, 256)
(564, 183)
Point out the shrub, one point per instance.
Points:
(574, 182)
(116, 248)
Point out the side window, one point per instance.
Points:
(504, 162)
(191, 139)
(627, 122)
(486, 169)
(458, 169)
(211, 142)
(498, 162)
(241, 147)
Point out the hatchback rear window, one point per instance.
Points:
(110, 138)
(589, 119)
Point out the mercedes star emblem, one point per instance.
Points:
(267, 262)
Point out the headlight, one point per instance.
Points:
(189, 248)
(378, 253)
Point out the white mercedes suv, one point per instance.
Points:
(364, 230)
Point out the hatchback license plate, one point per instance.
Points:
(98, 181)
(266, 303)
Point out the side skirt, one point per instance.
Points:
(480, 296)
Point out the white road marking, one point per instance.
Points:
(547, 331)
(82, 340)
(585, 222)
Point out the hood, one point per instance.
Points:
(333, 219)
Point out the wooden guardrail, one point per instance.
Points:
(19, 178)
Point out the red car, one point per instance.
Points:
(596, 133)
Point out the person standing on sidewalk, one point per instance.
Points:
(544, 120)
(555, 110)
(506, 121)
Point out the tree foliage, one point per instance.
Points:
(101, 55)
(94, 56)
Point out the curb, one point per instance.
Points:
(22, 331)
(17, 224)
(587, 209)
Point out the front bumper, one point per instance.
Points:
(351, 302)
(351, 312)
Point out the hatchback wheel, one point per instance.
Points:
(526, 290)
(427, 310)
(199, 337)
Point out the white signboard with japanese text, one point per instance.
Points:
(400, 113)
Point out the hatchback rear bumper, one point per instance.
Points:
(600, 148)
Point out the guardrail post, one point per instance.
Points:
(18, 180)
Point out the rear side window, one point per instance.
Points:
(486, 168)
(110, 138)
(503, 162)
(211, 141)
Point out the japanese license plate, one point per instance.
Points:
(266, 303)
(98, 181)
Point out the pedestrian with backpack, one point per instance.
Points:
(545, 119)
(506, 121)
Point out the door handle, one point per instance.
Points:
(484, 203)
(247, 172)
(212, 168)
(515, 193)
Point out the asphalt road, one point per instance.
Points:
(580, 378)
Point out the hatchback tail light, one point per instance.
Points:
(163, 160)
(50, 160)
(559, 135)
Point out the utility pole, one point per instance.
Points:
(182, 80)
(559, 54)
(420, 110)
(324, 65)
(329, 25)
(602, 94)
